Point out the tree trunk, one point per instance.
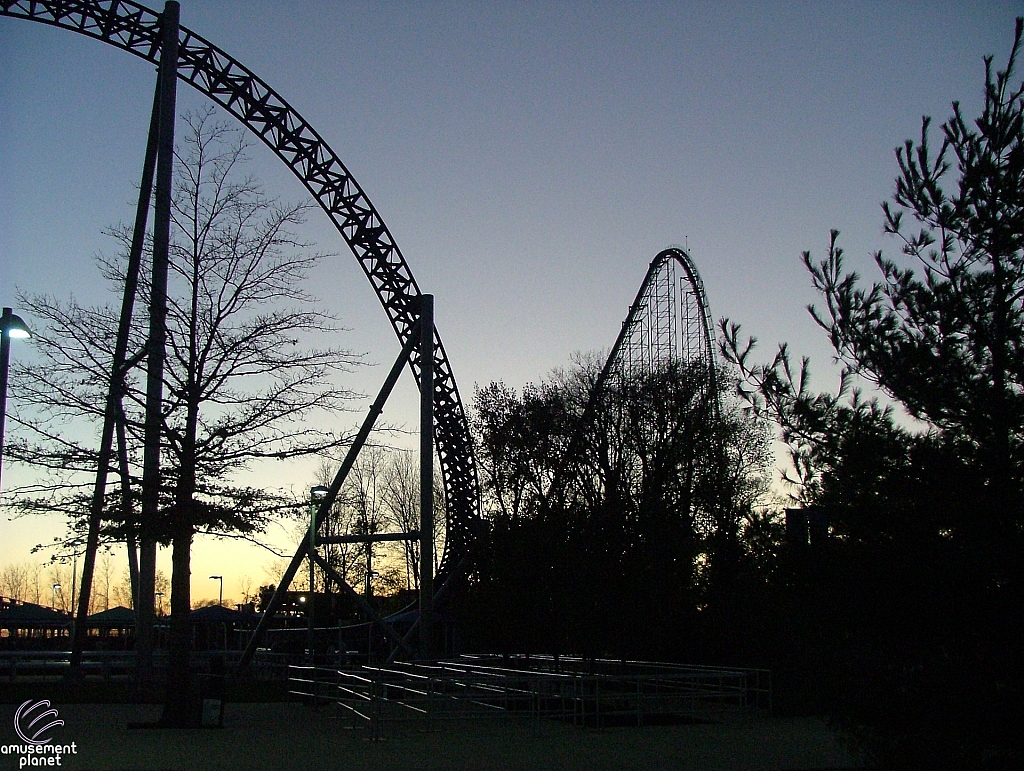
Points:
(180, 708)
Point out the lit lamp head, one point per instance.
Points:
(18, 330)
(13, 326)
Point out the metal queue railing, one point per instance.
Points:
(28, 665)
(592, 692)
(719, 688)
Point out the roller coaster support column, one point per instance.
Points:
(115, 387)
(426, 476)
(168, 74)
(326, 503)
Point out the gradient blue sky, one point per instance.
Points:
(529, 158)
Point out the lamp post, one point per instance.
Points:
(316, 495)
(220, 601)
(11, 328)
(370, 575)
(53, 596)
(159, 603)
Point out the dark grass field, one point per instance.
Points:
(288, 735)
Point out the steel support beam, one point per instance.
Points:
(157, 333)
(449, 581)
(115, 386)
(412, 535)
(426, 344)
(328, 500)
(368, 609)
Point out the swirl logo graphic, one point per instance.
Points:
(30, 723)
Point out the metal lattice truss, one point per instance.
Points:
(211, 71)
(668, 321)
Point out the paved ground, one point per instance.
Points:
(292, 736)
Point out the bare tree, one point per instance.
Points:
(162, 592)
(122, 592)
(106, 572)
(342, 520)
(245, 584)
(362, 510)
(402, 501)
(123, 595)
(35, 592)
(14, 581)
(238, 385)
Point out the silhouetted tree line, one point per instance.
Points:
(904, 623)
(619, 559)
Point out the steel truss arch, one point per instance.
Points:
(211, 71)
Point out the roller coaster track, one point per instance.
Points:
(668, 320)
(211, 71)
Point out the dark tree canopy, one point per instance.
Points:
(943, 331)
(905, 622)
(619, 560)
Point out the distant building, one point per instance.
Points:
(27, 625)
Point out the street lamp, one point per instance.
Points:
(159, 603)
(316, 494)
(370, 575)
(53, 596)
(221, 579)
(11, 328)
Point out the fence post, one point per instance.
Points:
(430, 704)
(639, 701)
(377, 706)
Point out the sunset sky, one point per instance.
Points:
(529, 158)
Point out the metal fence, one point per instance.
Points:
(32, 664)
(706, 689)
(592, 692)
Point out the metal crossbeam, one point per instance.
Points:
(368, 609)
(304, 549)
(412, 535)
